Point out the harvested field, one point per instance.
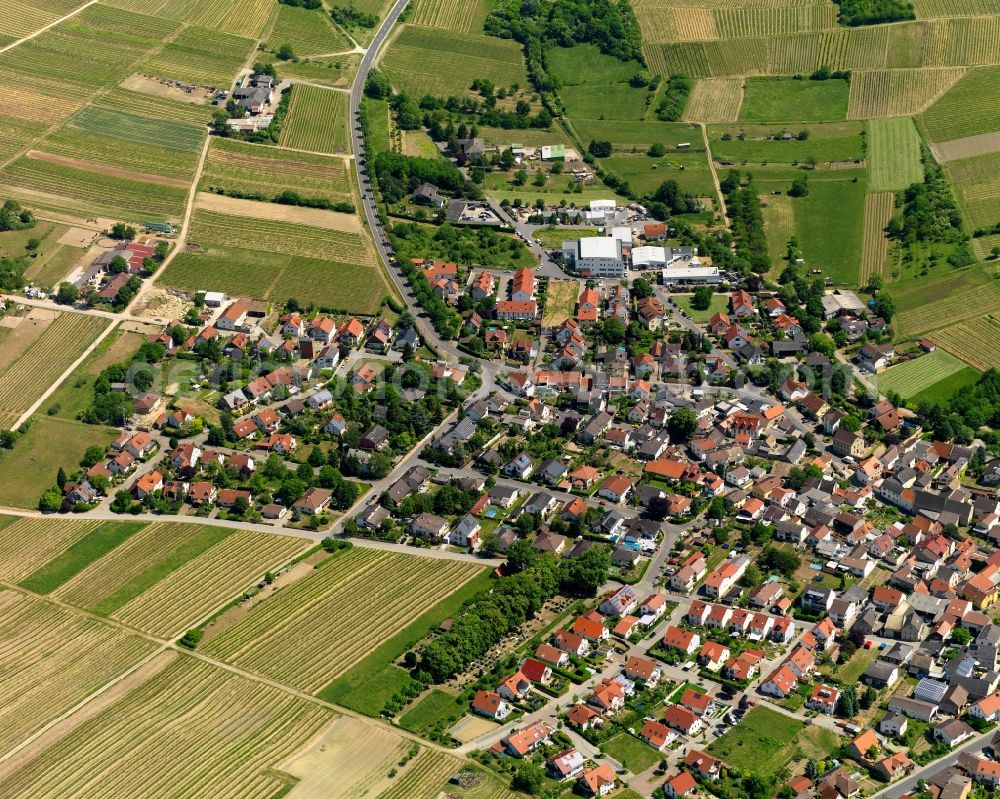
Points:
(898, 92)
(715, 100)
(317, 120)
(273, 212)
(975, 341)
(893, 154)
(29, 543)
(910, 378)
(52, 659)
(969, 147)
(233, 165)
(31, 370)
(309, 634)
(191, 592)
(354, 755)
(192, 729)
(878, 211)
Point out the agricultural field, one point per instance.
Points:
(310, 32)
(928, 9)
(942, 391)
(910, 378)
(22, 17)
(829, 141)
(16, 133)
(560, 301)
(98, 136)
(983, 245)
(310, 633)
(927, 303)
(893, 154)
(84, 192)
(976, 341)
(200, 55)
(605, 101)
(250, 19)
(898, 92)
(192, 726)
(316, 121)
(355, 755)
(249, 168)
(430, 61)
(166, 586)
(54, 658)
(967, 108)
(425, 776)
(461, 16)
(879, 209)
(715, 100)
(152, 107)
(331, 71)
(783, 99)
(977, 185)
(33, 358)
(28, 544)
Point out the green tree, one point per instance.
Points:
(285, 53)
(702, 299)
(682, 424)
(961, 636)
(528, 779)
(68, 294)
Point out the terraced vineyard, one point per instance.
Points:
(193, 730)
(32, 371)
(192, 591)
(426, 775)
(233, 165)
(309, 634)
(52, 659)
(317, 120)
(875, 248)
(898, 92)
(715, 100)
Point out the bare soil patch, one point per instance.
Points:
(109, 171)
(77, 237)
(162, 87)
(314, 217)
(162, 305)
(969, 147)
(472, 727)
(353, 755)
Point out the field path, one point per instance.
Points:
(52, 24)
(711, 166)
(179, 245)
(64, 376)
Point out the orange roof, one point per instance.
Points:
(666, 467)
(865, 741)
(588, 628)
